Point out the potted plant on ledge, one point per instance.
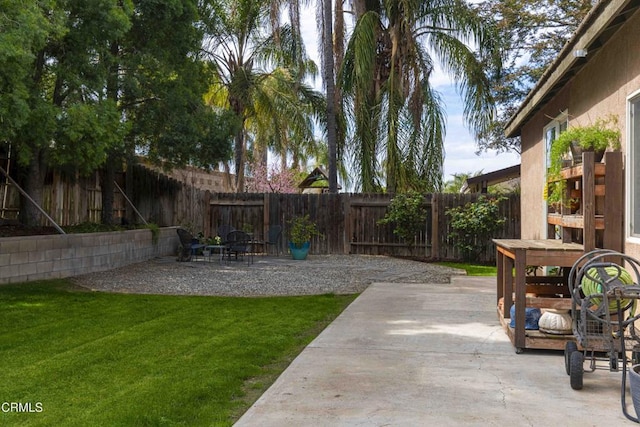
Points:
(597, 137)
(301, 230)
(603, 134)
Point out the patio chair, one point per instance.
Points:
(273, 238)
(239, 243)
(223, 231)
(189, 245)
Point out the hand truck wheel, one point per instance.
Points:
(569, 348)
(576, 370)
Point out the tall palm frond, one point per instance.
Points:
(386, 74)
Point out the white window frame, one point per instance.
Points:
(558, 125)
(633, 151)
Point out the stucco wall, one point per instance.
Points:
(599, 89)
(605, 82)
(29, 258)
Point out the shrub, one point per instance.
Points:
(301, 230)
(407, 212)
(474, 224)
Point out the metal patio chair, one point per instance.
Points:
(189, 245)
(239, 244)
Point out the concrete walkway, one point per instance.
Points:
(431, 355)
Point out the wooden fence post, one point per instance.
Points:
(206, 208)
(435, 228)
(346, 208)
(613, 199)
(265, 218)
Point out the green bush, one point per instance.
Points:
(408, 214)
(474, 224)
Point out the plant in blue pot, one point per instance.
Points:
(301, 230)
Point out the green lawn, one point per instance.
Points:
(86, 358)
(473, 269)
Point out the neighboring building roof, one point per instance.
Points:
(315, 178)
(599, 25)
(480, 183)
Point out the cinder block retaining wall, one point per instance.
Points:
(29, 258)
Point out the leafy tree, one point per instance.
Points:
(164, 91)
(68, 121)
(25, 29)
(92, 80)
(397, 115)
(158, 80)
(532, 34)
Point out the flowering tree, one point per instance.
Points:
(274, 179)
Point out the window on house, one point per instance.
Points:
(633, 148)
(551, 132)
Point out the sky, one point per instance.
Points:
(460, 147)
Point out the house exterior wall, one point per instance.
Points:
(599, 89)
(605, 82)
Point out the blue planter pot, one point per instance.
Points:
(299, 252)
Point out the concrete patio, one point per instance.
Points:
(411, 354)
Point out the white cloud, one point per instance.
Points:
(309, 34)
(440, 79)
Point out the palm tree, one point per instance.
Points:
(397, 119)
(258, 75)
(331, 54)
(459, 180)
(284, 113)
(329, 83)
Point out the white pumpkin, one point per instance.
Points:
(555, 321)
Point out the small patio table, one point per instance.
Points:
(213, 248)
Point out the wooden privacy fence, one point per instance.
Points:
(76, 199)
(349, 222)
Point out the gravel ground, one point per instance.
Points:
(267, 276)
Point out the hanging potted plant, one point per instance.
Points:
(301, 230)
(597, 137)
(603, 134)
